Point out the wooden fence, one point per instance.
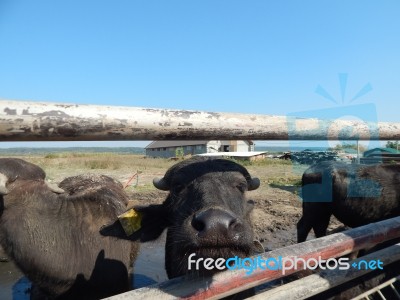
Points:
(32, 121)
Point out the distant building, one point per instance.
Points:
(251, 155)
(168, 149)
(381, 155)
(381, 152)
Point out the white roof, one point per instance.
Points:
(237, 154)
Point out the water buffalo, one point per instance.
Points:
(355, 194)
(206, 213)
(52, 233)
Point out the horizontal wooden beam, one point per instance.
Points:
(231, 282)
(34, 121)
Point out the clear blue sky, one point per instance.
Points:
(264, 57)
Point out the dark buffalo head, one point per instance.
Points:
(206, 212)
(12, 169)
(97, 187)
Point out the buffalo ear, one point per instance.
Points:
(116, 230)
(152, 224)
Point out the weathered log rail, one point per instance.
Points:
(33, 121)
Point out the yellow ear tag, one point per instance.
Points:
(131, 221)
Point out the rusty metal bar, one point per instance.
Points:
(379, 287)
(327, 279)
(231, 282)
(34, 121)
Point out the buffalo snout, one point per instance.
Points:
(216, 222)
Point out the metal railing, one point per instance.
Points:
(231, 282)
(394, 291)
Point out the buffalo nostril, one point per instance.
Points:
(198, 224)
(234, 224)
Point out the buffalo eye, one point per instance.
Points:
(251, 202)
(242, 187)
(177, 188)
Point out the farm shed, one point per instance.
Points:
(381, 152)
(380, 155)
(169, 148)
(255, 155)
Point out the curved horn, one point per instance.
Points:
(3, 181)
(254, 184)
(54, 188)
(160, 184)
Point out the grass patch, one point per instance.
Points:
(111, 161)
(122, 166)
(282, 181)
(141, 188)
(73, 155)
(263, 162)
